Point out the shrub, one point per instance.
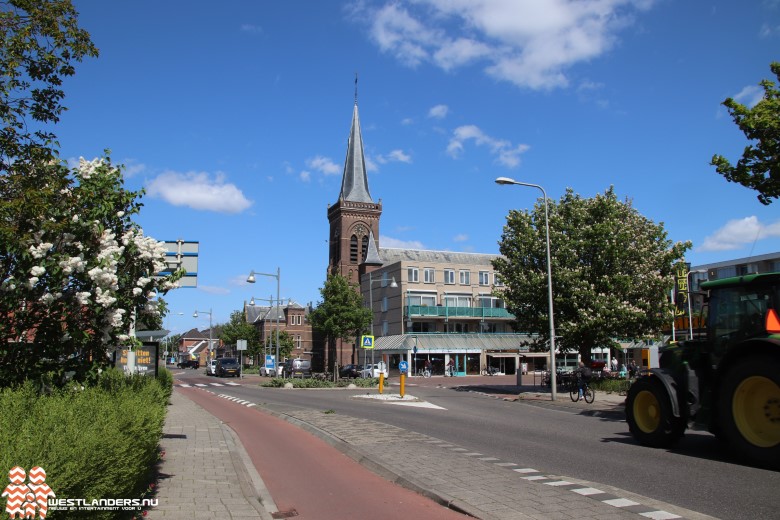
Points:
(279, 382)
(611, 385)
(95, 442)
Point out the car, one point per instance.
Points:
(374, 370)
(228, 367)
(189, 363)
(349, 371)
(296, 368)
(211, 368)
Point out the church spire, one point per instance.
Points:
(354, 184)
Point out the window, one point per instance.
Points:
(422, 299)
(465, 277)
(364, 248)
(455, 300)
(298, 342)
(353, 249)
(429, 275)
(484, 278)
(491, 302)
(413, 275)
(497, 281)
(449, 276)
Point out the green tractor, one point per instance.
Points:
(728, 383)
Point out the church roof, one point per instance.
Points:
(354, 184)
(372, 257)
(391, 256)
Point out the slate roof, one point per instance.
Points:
(354, 183)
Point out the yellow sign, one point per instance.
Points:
(367, 341)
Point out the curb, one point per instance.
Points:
(252, 485)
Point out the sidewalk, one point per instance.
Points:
(205, 473)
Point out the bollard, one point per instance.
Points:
(381, 381)
(403, 383)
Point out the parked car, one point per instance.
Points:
(349, 371)
(374, 370)
(189, 363)
(211, 367)
(228, 367)
(296, 368)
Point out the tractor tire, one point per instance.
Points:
(649, 415)
(749, 410)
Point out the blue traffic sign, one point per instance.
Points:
(403, 366)
(270, 362)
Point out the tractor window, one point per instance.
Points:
(738, 313)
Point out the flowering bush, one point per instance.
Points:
(76, 270)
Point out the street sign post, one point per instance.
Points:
(403, 367)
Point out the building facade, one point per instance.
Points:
(291, 318)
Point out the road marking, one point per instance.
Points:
(526, 470)
(216, 384)
(536, 477)
(201, 385)
(184, 386)
(659, 515)
(621, 502)
(587, 491)
(417, 405)
(559, 483)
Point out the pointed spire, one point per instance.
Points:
(372, 256)
(354, 184)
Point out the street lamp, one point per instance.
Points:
(371, 281)
(690, 311)
(553, 382)
(278, 275)
(211, 345)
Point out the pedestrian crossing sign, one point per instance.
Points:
(367, 341)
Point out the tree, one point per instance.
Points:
(40, 43)
(612, 271)
(340, 315)
(76, 272)
(238, 328)
(286, 344)
(759, 167)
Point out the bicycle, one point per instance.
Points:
(424, 372)
(489, 371)
(587, 392)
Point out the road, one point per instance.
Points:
(697, 475)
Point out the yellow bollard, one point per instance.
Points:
(381, 381)
(403, 382)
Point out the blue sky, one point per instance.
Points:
(234, 116)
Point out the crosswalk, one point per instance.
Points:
(202, 385)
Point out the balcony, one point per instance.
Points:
(457, 312)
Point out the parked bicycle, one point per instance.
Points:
(424, 372)
(489, 371)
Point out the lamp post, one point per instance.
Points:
(690, 310)
(553, 378)
(211, 345)
(371, 281)
(278, 276)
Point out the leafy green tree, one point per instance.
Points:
(340, 315)
(612, 271)
(286, 344)
(759, 167)
(238, 328)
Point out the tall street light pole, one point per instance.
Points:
(371, 281)
(553, 378)
(211, 345)
(278, 276)
(690, 310)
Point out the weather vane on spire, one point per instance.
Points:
(356, 88)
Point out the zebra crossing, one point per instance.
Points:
(203, 385)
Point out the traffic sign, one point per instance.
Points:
(241, 344)
(367, 341)
(403, 366)
(270, 362)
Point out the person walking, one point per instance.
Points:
(451, 367)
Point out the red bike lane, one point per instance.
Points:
(305, 474)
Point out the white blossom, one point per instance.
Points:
(83, 297)
(40, 250)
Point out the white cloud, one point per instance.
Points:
(198, 190)
(527, 43)
(394, 243)
(460, 238)
(750, 95)
(324, 165)
(305, 176)
(737, 233)
(439, 111)
(394, 156)
(506, 153)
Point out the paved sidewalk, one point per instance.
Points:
(205, 472)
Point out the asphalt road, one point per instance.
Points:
(697, 475)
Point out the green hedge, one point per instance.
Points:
(611, 385)
(278, 382)
(96, 442)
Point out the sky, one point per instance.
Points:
(234, 117)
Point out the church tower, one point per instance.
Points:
(354, 218)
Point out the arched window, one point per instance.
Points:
(364, 249)
(353, 249)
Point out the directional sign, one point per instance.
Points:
(403, 366)
(182, 254)
(367, 341)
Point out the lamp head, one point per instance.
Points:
(505, 180)
(251, 277)
(252, 302)
(393, 283)
(195, 314)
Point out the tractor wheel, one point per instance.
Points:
(749, 410)
(649, 414)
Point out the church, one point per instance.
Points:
(437, 306)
